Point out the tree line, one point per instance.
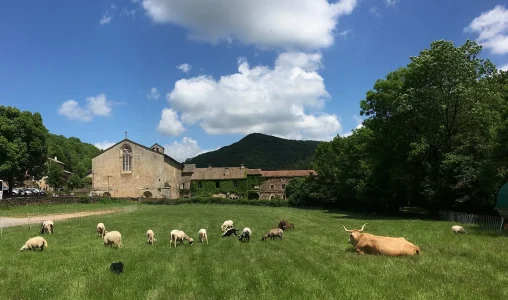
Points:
(435, 136)
(26, 144)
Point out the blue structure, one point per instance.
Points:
(502, 201)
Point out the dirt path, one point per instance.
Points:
(10, 221)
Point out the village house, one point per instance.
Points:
(238, 182)
(42, 183)
(128, 169)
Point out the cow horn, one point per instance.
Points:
(362, 227)
(346, 229)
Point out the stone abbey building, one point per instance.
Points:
(128, 169)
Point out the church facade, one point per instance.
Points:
(128, 169)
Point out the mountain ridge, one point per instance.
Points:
(260, 151)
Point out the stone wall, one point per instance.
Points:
(148, 173)
(273, 187)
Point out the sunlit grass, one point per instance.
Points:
(314, 261)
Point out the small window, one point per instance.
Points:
(200, 185)
(283, 186)
(235, 183)
(272, 197)
(271, 186)
(217, 184)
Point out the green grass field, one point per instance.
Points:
(314, 261)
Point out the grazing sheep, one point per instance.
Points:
(272, 233)
(178, 235)
(116, 267)
(47, 226)
(458, 229)
(101, 229)
(202, 235)
(227, 224)
(35, 242)
(113, 237)
(285, 224)
(150, 237)
(245, 236)
(230, 231)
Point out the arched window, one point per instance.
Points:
(126, 158)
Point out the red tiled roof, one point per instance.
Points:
(288, 173)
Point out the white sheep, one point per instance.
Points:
(47, 226)
(458, 229)
(227, 224)
(113, 237)
(202, 235)
(178, 235)
(35, 242)
(101, 229)
(150, 237)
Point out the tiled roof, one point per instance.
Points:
(218, 173)
(288, 173)
(188, 168)
(254, 171)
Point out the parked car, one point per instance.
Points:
(18, 192)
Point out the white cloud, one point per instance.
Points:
(390, 2)
(169, 123)
(290, 24)
(184, 67)
(96, 106)
(187, 148)
(107, 16)
(345, 33)
(373, 10)
(103, 145)
(504, 68)
(360, 125)
(492, 27)
(153, 94)
(259, 99)
(73, 111)
(99, 105)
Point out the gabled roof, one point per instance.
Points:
(288, 173)
(144, 147)
(219, 173)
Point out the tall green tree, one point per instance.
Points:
(22, 144)
(432, 122)
(55, 177)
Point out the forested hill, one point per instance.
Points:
(76, 154)
(258, 150)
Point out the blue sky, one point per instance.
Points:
(197, 75)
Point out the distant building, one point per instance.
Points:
(128, 169)
(238, 182)
(42, 184)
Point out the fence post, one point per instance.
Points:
(502, 222)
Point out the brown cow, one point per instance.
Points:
(285, 224)
(382, 245)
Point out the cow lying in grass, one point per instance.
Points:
(382, 245)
